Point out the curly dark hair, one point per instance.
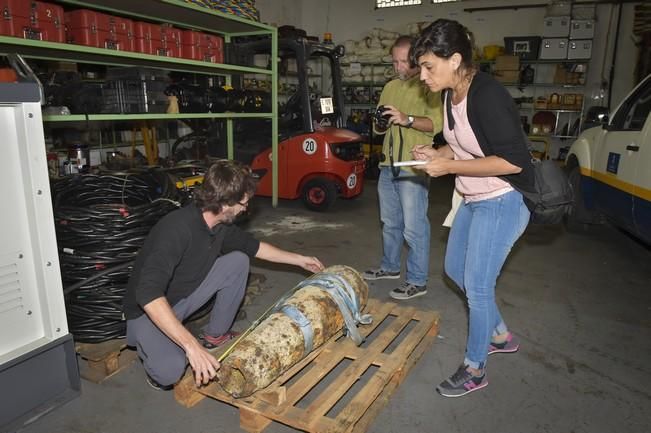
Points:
(225, 183)
(443, 38)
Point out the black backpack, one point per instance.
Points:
(553, 196)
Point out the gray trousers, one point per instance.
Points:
(163, 359)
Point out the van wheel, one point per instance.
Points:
(579, 216)
(319, 194)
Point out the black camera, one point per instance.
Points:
(381, 119)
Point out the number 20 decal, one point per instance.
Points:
(351, 181)
(309, 146)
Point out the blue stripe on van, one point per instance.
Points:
(619, 206)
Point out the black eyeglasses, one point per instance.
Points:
(245, 205)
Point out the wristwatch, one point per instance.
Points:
(410, 120)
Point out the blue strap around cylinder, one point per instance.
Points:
(341, 292)
(346, 299)
(303, 323)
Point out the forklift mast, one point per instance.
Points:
(302, 50)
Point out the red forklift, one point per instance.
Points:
(318, 160)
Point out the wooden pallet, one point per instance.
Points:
(281, 401)
(99, 361)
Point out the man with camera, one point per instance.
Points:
(408, 114)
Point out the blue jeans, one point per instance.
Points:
(481, 238)
(403, 212)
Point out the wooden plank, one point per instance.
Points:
(99, 361)
(99, 351)
(342, 384)
(252, 422)
(374, 409)
(391, 367)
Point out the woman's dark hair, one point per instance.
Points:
(443, 38)
(225, 183)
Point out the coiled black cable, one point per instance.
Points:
(101, 223)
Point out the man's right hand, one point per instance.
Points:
(203, 363)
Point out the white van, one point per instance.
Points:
(610, 167)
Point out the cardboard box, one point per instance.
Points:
(507, 63)
(507, 77)
(565, 76)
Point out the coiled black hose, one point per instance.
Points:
(101, 223)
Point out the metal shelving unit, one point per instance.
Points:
(566, 117)
(177, 13)
(148, 116)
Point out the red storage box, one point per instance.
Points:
(106, 32)
(14, 17)
(123, 32)
(82, 28)
(148, 39)
(95, 29)
(171, 40)
(143, 37)
(202, 46)
(193, 43)
(47, 19)
(214, 49)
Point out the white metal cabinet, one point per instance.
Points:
(33, 327)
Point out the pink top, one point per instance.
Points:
(465, 146)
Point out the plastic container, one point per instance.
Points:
(48, 20)
(14, 17)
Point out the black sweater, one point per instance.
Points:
(495, 121)
(178, 254)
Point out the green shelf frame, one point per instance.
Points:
(151, 116)
(179, 14)
(80, 53)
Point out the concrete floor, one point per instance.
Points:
(581, 304)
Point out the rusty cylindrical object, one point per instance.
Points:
(279, 342)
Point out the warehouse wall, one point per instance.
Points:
(352, 19)
(280, 12)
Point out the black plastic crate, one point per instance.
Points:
(134, 97)
(124, 97)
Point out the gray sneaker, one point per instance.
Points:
(380, 274)
(408, 291)
(461, 383)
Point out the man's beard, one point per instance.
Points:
(229, 217)
(406, 75)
